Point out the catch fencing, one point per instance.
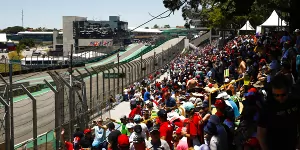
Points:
(74, 99)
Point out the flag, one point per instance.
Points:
(226, 73)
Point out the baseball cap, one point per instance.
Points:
(220, 103)
(205, 104)
(297, 30)
(87, 131)
(123, 140)
(162, 113)
(137, 118)
(188, 106)
(214, 119)
(129, 125)
(154, 128)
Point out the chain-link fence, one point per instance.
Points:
(74, 99)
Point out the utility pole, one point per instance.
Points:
(22, 18)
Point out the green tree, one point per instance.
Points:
(27, 42)
(256, 11)
(17, 54)
(155, 26)
(13, 30)
(167, 26)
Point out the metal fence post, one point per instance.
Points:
(6, 126)
(97, 82)
(7, 114)
(118, 55)
(154, 61)
(60, 90)
(137, 72)
(57, 111)
(114, 81)
(34, 114)
(130, 72)
(122, 85)
(91, 87)
(143, 67)
(12, 128)
(162, 58)
(71, 106)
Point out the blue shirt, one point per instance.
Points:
(235, 108)
(146, 96)
(285, 38)
(170, 102)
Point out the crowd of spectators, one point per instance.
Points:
(242, 96)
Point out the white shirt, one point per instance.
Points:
(126, 91)
(163, 144)
(214, 143)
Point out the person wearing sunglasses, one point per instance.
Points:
(278, 120)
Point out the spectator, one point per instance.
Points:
(138, 121)
(113, 137)
(123, 142)
(279, 117)
(87, 140)
(181, 141)
(100, 135)
(165, 129)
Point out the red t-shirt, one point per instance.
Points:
(194, 129)
(135, 111)
(69, 145)
(166, 130)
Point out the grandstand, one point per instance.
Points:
(36, 36)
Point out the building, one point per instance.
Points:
(36, 36)
(144, 34)
(83, 33)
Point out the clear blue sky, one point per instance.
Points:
(44, 13)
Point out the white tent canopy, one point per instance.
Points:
(247, 26)
(273, 21)
(3, 37)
